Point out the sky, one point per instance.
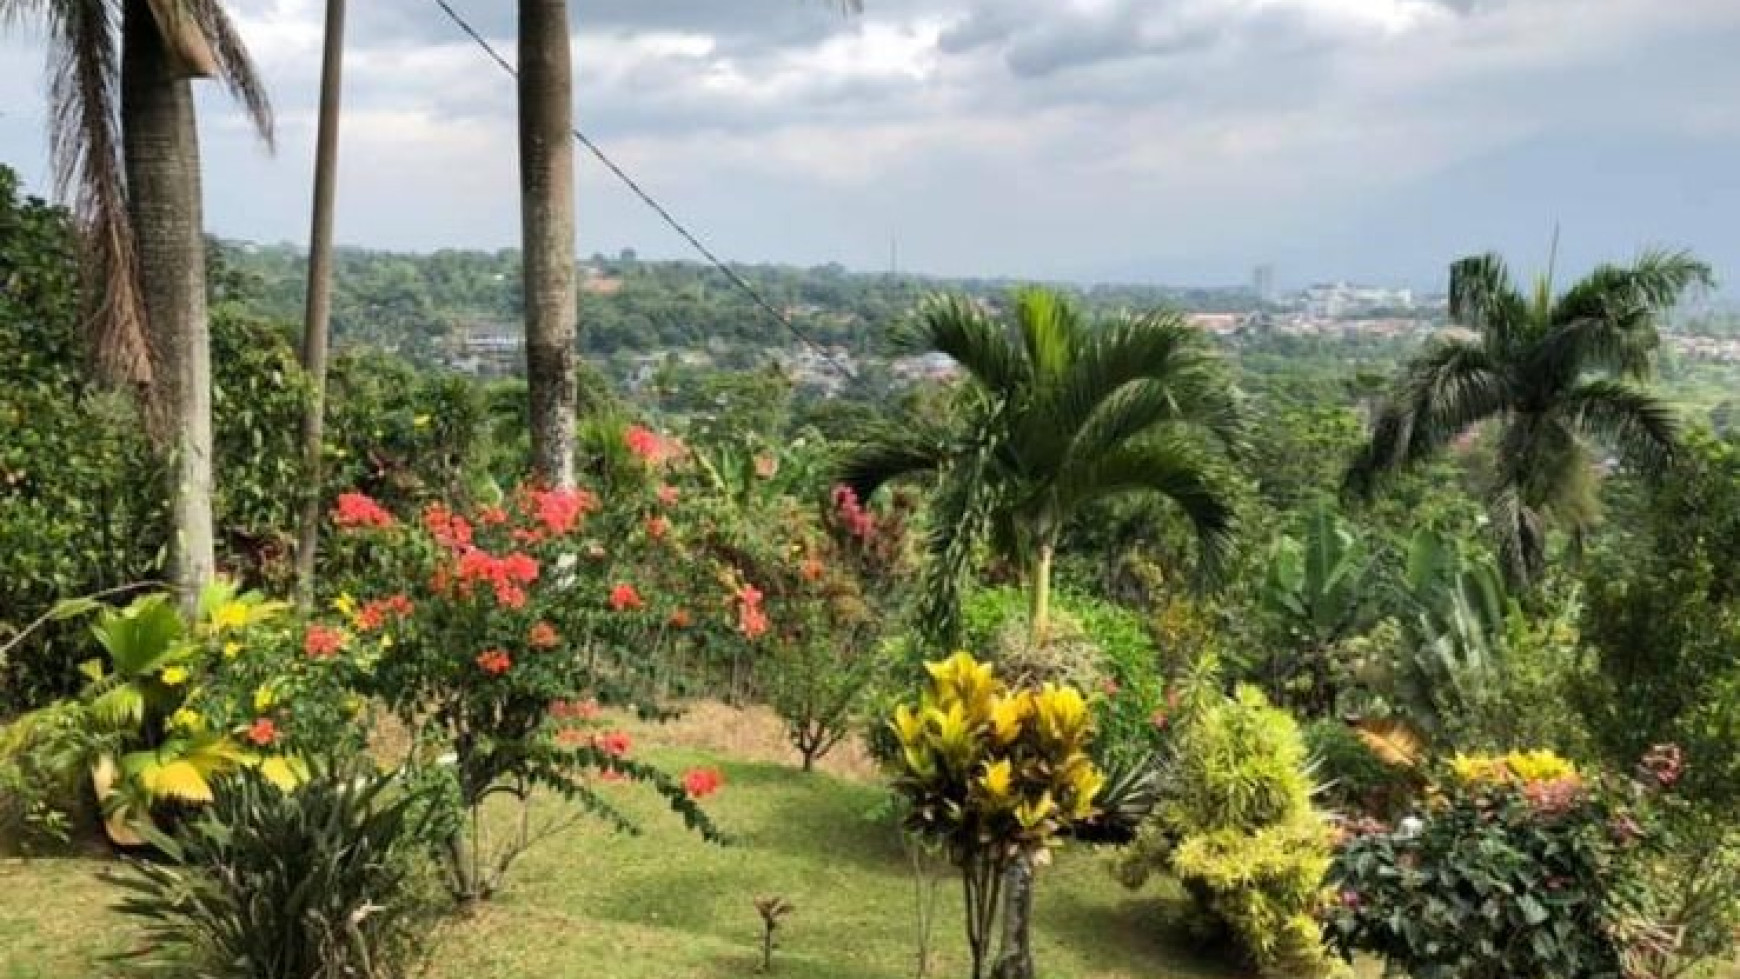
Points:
(1165, 141)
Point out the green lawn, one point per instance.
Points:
(666, 905)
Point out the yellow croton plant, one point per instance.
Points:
(984, 766)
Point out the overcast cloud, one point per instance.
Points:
(1158, 140)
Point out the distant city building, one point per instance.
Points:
(1263, 284)
(488, 350)
(1341, 300)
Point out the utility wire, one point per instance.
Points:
(646, 198)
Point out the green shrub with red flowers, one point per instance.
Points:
(494, 626)
(1522, 867)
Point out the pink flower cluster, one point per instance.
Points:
(751, 618)
(859, 521)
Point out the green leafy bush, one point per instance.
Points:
(1522, 869)
(1352, 777)
(1236, 827)
(323, 882)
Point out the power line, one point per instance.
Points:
(646, 198)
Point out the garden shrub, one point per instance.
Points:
(1522, 868)
(1094, 646)
(1236, 827)
(494, 632)
(1352, 777)
(322, 882)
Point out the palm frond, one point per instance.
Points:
(1051, 332)
(888, 454)
(1643, 428)
(1657, 281)
(960, 520)
(1444, 392)
(235, 66)
(1483, 296)
(1607, 321)
(1141, 371)
(84, 131)
(1172, 465)
(985, 349)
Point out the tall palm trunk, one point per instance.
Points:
(161, 149)
(546, 105)
(319, 308)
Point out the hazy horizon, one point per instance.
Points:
(1178, 143)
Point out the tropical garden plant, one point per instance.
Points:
(1558, 376)
(495, 633)
(1057, 410)
(995, 777)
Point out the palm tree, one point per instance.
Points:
(1558, 375)
(546, 108)
(124, 143)
(1057, 412)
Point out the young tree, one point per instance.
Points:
(137, 193)
(1056, 412)
(1557, 374)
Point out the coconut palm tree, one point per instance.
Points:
(1057, 411)
(1557, 375)
(125, 148)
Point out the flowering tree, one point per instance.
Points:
(995, 777)
(504, 627)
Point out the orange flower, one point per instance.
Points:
(623, 597)
(613, 743)
(812, 569)
(680, 619)
(544, 636)
(702, 782)
(752, 622)
(657, 527)
(263, 732)
(492, 516)
(359, 510)
(494, 662)
(321, 641)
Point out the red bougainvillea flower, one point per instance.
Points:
(623, 597)
(322, 641)
(448, 529)
(700, 783)
(359, 510)
(543, 636)
(263, 732)
(668, 494)
(613, 743)
(657, 527)
(812, 569)
(494, 662)
(680, 619)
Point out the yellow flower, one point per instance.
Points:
(421, 421)
(174, 676)
(187, 720)
(232, 650)
(1539, 766)
(344, 605)
(264, 698)
(230, 615)
(386, 640)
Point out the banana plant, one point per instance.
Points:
(1317, 590)
(1459, 621)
